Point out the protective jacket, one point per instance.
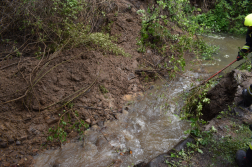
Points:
(248, 46)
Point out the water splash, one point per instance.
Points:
(149, 128)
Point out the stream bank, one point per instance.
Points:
(226, 131)
(105, 78)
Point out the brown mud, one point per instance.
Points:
(104, 79)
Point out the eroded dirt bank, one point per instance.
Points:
(98, 79)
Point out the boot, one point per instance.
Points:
(240, 158)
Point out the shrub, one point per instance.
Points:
(55, 23)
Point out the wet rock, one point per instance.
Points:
(3, 145)
(159, 160)
(18, 143)
(181, 145)
(101, 143)
(156, 161)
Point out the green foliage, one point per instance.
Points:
(227, 146)
(156, 34)
(226, 16)
(59, 133)
(103, 89)
(57, 24)
(247, 65)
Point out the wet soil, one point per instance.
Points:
(103, 79)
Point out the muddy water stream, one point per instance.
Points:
(227, 53)
(145, 129)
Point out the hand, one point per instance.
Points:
(239, 57)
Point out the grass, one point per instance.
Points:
(217, 146)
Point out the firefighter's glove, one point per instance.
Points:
(239, 57)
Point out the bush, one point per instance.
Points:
(227, 16)
(55, 23)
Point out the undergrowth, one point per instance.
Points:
(69, 120)
(221, 150)
(226, 16)
(51, 25)
(156, 33)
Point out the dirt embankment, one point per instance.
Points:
(26, 113)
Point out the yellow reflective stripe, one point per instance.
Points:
(245, 47)
(250, 146)
(249, 91)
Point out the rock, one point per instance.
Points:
(75, 78)
(18, 143)
(100, 123)
(149, 51)
(208, 126)
(151, 87)
(131, 76)
(52, 120)
(10, 141)
(22, 138)
(181, 145)
(35, 150)
(3, 145)
(72, 134)
(156, 161)
(88, 120)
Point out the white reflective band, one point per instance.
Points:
(246, 47)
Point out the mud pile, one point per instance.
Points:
(227, 93)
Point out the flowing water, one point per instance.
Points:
(227, 53)
(144, 130)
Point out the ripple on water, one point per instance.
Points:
(147, 130)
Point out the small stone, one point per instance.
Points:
(52, 120)
(149, 51)
(88, 121)
(35, 150)
(18, 143)
(3, 145)
(151, 87)
(131, 76)
(72, 134)
(10, 141)
(100, 123)
(22, 138)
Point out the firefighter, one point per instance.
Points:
(247, 48)
(244, 159)
(247, 96)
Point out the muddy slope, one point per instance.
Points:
(101, 78)
(221, 96)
